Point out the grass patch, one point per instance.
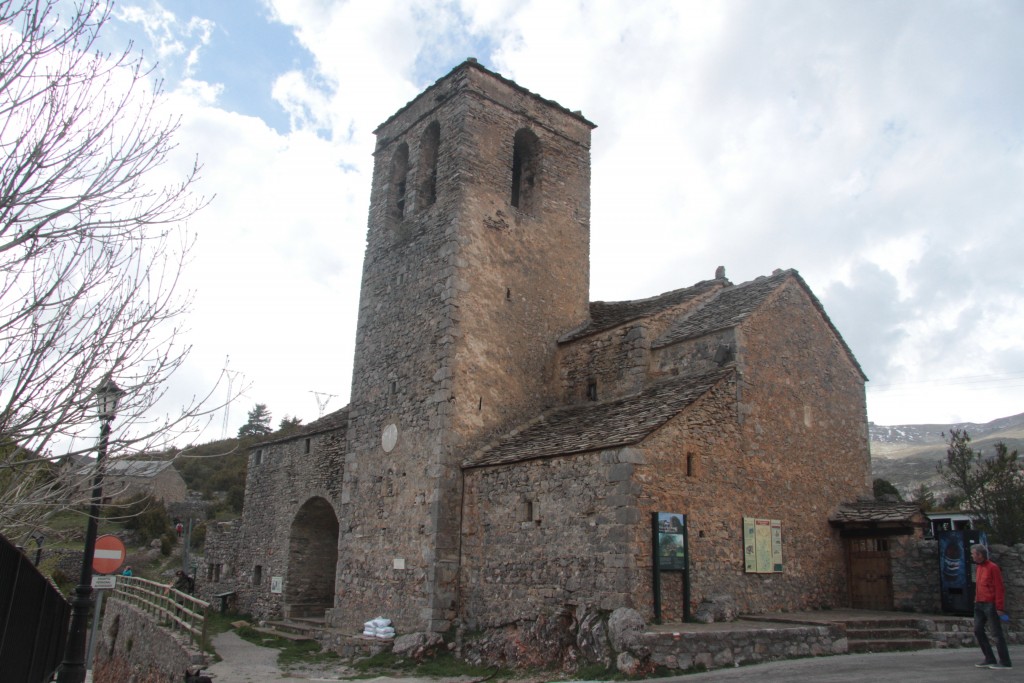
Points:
(296, 653)
(293, 653)
(441, 666)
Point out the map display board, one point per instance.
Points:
(762, 545)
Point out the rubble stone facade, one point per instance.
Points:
(508, 441)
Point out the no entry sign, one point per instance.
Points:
(109, 555)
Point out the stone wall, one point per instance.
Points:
(549, 532)
(462, 300)
(579, 635)
(290, 494)
(133, 647)
(915, 569)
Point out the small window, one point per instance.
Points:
(213, 572)
(691, 470)
(308, 445)
(527, 515)
(427, 170)
(525, 170)
(257, 458)
(399, 173)
(257, 575)
(592, 390)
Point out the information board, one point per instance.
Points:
(762, 545)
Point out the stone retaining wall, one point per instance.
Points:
(133, 647)
(719, 649)
(915, 570)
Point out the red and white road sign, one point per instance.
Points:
(109, 554)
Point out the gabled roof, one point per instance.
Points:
(598, 426)
(605, 315)
(875, 512)
(143, 469)
(329, 422)
(728, 308)
(732, 305)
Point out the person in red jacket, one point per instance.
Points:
(989, 595)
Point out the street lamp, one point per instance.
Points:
(72, 669)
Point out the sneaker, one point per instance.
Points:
(1000, 666)
(984, 665)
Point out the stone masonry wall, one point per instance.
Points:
(915, 569)
(282, 482)
(461, 302)
(133, 647)
(804, 435)
(545, 533)
(619, 360)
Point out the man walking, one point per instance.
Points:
(989, 595)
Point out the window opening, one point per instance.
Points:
(308, 445)
(258, 457)
(592, 390)
(525, 166)
(257, 575)
(399, 172)
(427, 171)
(689, 465)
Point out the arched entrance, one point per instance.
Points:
(312, 560)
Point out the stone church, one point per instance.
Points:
(511, 447)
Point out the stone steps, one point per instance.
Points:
(891, 635)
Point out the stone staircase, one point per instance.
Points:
(888, 635)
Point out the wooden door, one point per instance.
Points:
(870, 574)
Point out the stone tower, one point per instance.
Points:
(477, 261)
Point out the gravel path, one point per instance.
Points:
(243, 662)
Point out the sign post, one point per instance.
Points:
(109, 555)
(671, 554)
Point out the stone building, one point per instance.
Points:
(123, 479)
(509, 444)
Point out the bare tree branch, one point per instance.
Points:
(91, 251)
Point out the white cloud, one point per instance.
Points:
(875, 147)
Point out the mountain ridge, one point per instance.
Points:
(909, 455)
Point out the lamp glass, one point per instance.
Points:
(108, 394)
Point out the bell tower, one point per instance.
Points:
(477, 261)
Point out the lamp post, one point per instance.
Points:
(72, 669)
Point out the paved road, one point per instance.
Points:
(244, 662)
(923, 666)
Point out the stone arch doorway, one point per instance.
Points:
(312, 560)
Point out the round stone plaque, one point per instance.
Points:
(389, 438)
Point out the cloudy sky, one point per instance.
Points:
(876, 147)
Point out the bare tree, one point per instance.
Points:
(92, 244)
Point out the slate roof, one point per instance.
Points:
(605, 315)
(728, 308)
(598, 426)
(329, 422)
(875, 512)
(143, 469)
(732, 305)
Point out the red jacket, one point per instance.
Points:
(989, 584)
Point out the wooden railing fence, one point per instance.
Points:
(172, 608)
